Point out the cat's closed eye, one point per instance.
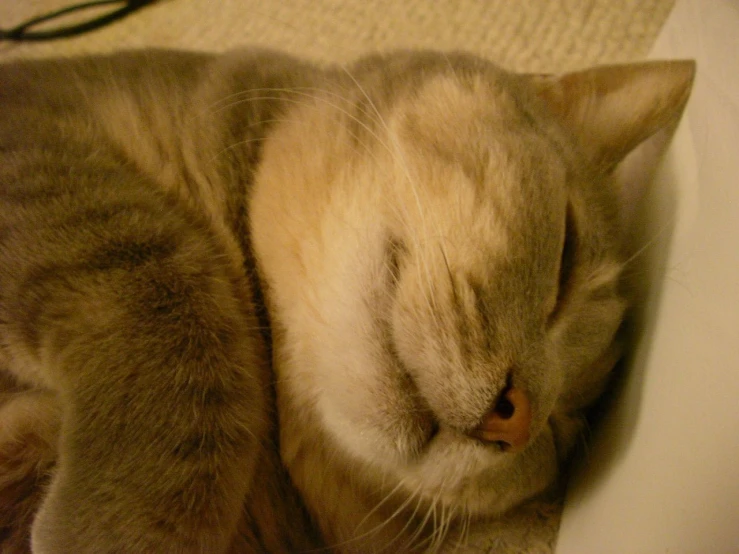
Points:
(394, 251)
(566, 266)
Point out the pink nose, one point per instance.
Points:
(509, 423)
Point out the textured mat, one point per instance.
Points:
(532, 35)
(527, 35)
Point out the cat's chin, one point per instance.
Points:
(455, 471)
(400, 441)
(432, 462)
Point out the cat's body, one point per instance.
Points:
(435, 336)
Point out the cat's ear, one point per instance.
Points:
(612, 109)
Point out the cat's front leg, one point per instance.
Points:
(29, 428)
(140, 322)
(161, 414)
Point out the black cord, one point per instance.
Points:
(25, 32)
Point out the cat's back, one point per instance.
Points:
(150, 108)
(124, 176)
(42, 98)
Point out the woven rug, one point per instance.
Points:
(530, 35)
(525, 35)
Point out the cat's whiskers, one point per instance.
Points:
(387, 497)
(452, 284)
(437, 528)
(318, 98)
(416, 494)
(368, 149)
(391, 271)
(430, 512)
(441, 524)
(464, 531)
(660, 233)
(236, 98)
(451, 519)
(259, 328)
(397, 153)
(318, 95)
(423, 268)
(384, 523)
(450, 65)
(442, 532)
(359, 140)
(310, 92)
(233, 146)
(394, 150)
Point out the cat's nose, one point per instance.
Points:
(508, 423)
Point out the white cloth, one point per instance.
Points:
(663, 475)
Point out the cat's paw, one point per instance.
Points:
(29, 426)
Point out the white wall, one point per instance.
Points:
(663, 473)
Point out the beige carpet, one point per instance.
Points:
(530, 35)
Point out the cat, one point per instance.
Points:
(249, 304)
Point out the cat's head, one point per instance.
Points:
(442, 244)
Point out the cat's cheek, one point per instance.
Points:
(479, 480)
(373, 423)
(566, 430)
(526, 475)
(589, 348)
(386, 442)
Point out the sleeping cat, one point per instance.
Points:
(404, 277)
